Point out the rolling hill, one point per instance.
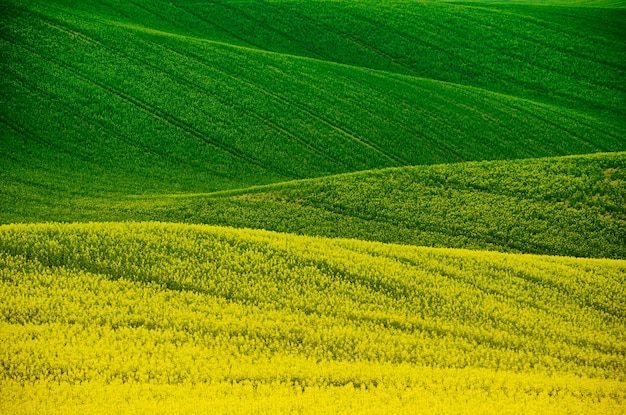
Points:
(327, 206)
(571, 205)
(95, 103)
(236, 321)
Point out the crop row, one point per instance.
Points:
(346, 301)
(570, 56)
(140, 306)
(132, 109)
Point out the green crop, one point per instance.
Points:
(404, 130)
(96, 103)
(558, 206)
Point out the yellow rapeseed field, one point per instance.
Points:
(168, 318)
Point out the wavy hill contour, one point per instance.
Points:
(153, 97)
(238, 319)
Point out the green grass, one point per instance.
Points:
(95, 102)
(135, 308)
(558, 206)
(553, 54)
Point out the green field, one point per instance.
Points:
(164, 104)
(325, 206)
(560, 206)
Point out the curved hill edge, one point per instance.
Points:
(144, 304)
(381, 72)
(283, 39)
(569, 206)
(296, 182)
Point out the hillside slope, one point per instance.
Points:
(557, 206)
(254, 319)
(95, 102)
(559, 54)
(607, 4)
(572, 205)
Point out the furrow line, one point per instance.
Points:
(255, 115)
(520, 35)
(551, 123)
(364, 142)
(580, 120)
(196, 86)
(564, 289)
(108, 5)
(229, 32)
(305, 143)
(268, 28)
(31, 136)
(412, 39)
(512, 80)
(303, 109)
(342, 33)
(19, 130)
(565, 17)
(312, 85)
(440, 145)
(293, 56)
(247, 111)
(457, 279)
(109, 131)
(413, 85)
(452, 126)
(157, 113)
(71, 33)
(499, 98)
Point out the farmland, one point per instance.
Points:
(566, 206)
(211, 113)
(342, 206)
(236, 312)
